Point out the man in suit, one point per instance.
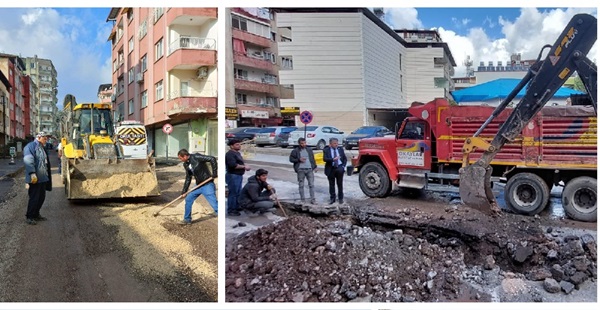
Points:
(335, 166)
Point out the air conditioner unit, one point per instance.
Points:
(202, 72)
(139, 77)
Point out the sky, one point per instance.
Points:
(75, 39)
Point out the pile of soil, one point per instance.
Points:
(304, 259)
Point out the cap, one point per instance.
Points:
(42, 134)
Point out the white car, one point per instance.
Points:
(317, 136)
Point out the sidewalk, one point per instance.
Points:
(8, 170)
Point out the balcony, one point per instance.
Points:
(183, 106)
(252, 38)
(253, 62)
(190, 16)
(191, 52)
(257, 86)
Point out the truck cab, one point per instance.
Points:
(132, 138)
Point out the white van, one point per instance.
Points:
(131, 136)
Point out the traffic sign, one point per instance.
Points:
(306, 117)
(167, 128)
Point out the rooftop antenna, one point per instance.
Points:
(468, 64)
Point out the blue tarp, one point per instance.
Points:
(499, 89)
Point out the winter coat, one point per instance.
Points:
(197, 166)
(33, 158)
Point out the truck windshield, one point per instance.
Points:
(413, 131)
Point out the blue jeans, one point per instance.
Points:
(208, 190)
(234, 186)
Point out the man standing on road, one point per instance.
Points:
(37, 176)
(59, 150)
(234, 164)
(305, 166)
(196, 165)
(257, 194)
(335, 163)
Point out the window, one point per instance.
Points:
(241, 74)
(130, 106)
(142, 30)
(144, 63)
(32, 65)
(239, 23)
(241, 98)
(121, 113)
(158, 12)
(130, 14)
(185, 89)
(121, 58)
(144, 99)
(272, 101)
(130, 76)
(130, 45)
(287, 63)
(158, 49)
(159, 91)
(115, 65)
(121, 82)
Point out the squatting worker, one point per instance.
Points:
(257, 194)
(235, 169)
(196, 165)
(37, 176)
(305, 166)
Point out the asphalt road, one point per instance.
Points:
(109, 250)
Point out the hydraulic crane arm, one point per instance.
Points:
(545, 78)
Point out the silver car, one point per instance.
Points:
(268, 135)
(317, 136)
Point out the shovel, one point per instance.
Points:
(279, 204)
(181, 196)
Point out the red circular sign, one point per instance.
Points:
(306, 117)
(167, 128)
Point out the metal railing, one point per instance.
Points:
(193, 43)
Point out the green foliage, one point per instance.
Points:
(578, 83)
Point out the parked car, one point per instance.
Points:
(281, 139)
(268, 135)
(241, 133)
(352, 139)
(317, 136)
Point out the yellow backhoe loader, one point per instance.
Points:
(92, 163)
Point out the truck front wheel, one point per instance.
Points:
(374, 180)
(579, 199)
(526, 193)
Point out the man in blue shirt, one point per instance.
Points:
(37, 176)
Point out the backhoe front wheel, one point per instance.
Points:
(374, 180)
(526, 193)
(579, 199)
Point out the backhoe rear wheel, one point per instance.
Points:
(579, 199)
(374, 180)
(526, 193)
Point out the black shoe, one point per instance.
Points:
(341, 201)
(234, 213)
(40, 218)
(31, 222)
(184, 222)
(331, 201)
(313, 202)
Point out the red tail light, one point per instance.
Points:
(229, 135)
(310, 135)
(272, 134)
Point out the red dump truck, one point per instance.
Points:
(558, 146)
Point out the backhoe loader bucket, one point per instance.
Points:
(475, 188)
(110, 178)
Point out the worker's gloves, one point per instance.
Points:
(34, 178)
(273, 197)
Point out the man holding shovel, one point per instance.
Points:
(196, 165)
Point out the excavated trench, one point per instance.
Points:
(338, 254)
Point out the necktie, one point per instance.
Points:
(335, 163)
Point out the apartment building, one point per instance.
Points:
(350, 69)
(13, 67)
(105, 92)
(253, 91)
(44, 98)
(165, 72)
(5, 87)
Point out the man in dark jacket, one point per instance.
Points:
(37, 176)
(335, 163)
(196, 165)
(304, 164)
(257, 194)
(235, 169)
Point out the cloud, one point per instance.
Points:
(403, 18)
(74, 39)
(526, 34)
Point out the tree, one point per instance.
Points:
(578, 84)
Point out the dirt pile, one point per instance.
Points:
(304, 259)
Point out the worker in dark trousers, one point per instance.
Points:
(335, 163)
(37, 176)
(196, 165)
